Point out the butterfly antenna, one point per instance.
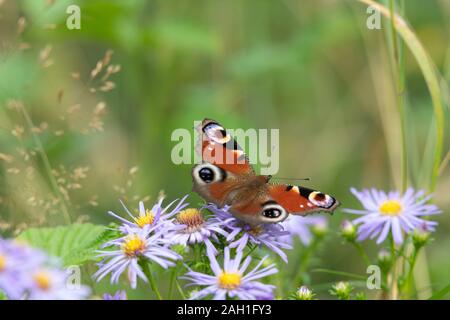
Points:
(292, 179)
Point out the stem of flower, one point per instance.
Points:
(180, 289)
(393, 272)
(362, 253)
(173, 278)
(145, 268)
(305, 260)
(249, 252)
(407, 285)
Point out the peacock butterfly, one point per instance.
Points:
(226, 178)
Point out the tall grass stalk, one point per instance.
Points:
(399, 75)
(430, 74)
(431, 78)
(47, 166)
(397, 56)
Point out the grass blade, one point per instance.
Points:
(431, 78)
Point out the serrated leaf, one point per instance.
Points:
(74, 244)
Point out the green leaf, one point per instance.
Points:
(440, 294)
(74, 244)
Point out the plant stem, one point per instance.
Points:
(398, 61)
(249, 252)
(430, 74)
(173, 278)
(145, 268)
(171, 282)
(393, 271)
(180, 289)
(409, 276)
(47, 166)
(362, 253)
(304, 261)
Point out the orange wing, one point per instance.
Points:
(220, 149)
(299, 200)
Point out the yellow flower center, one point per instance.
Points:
(191, 217)
(133, 245)
(391, 208)
(145, 219)
(42, 280)
(229, 280)
(2, 263)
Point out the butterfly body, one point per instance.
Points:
(226, 178)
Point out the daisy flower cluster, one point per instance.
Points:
(145, 238)
(27, 273)
(149, 237)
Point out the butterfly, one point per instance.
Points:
(226, 178)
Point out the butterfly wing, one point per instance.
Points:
(225, 177)
(219, 148)
(272, 203)
(215, 184)
(247, 197)
(299, 200)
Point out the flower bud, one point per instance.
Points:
(320, 229)
(420, 238)
(342, 290)
(303, 293)
(348, 231)
(384, 260)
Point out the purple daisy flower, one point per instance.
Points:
(299, 226)
(268, 235)
(231, 280)
(47, 283)
(196, 229)
(157, 216)
(15, 262)
(392, 212)
(27, 273)
(137, 243)
(119, 295)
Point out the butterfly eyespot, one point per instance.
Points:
(321, 199)
(272, 213)
(206, 174)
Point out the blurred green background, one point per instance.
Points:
(309, 68)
